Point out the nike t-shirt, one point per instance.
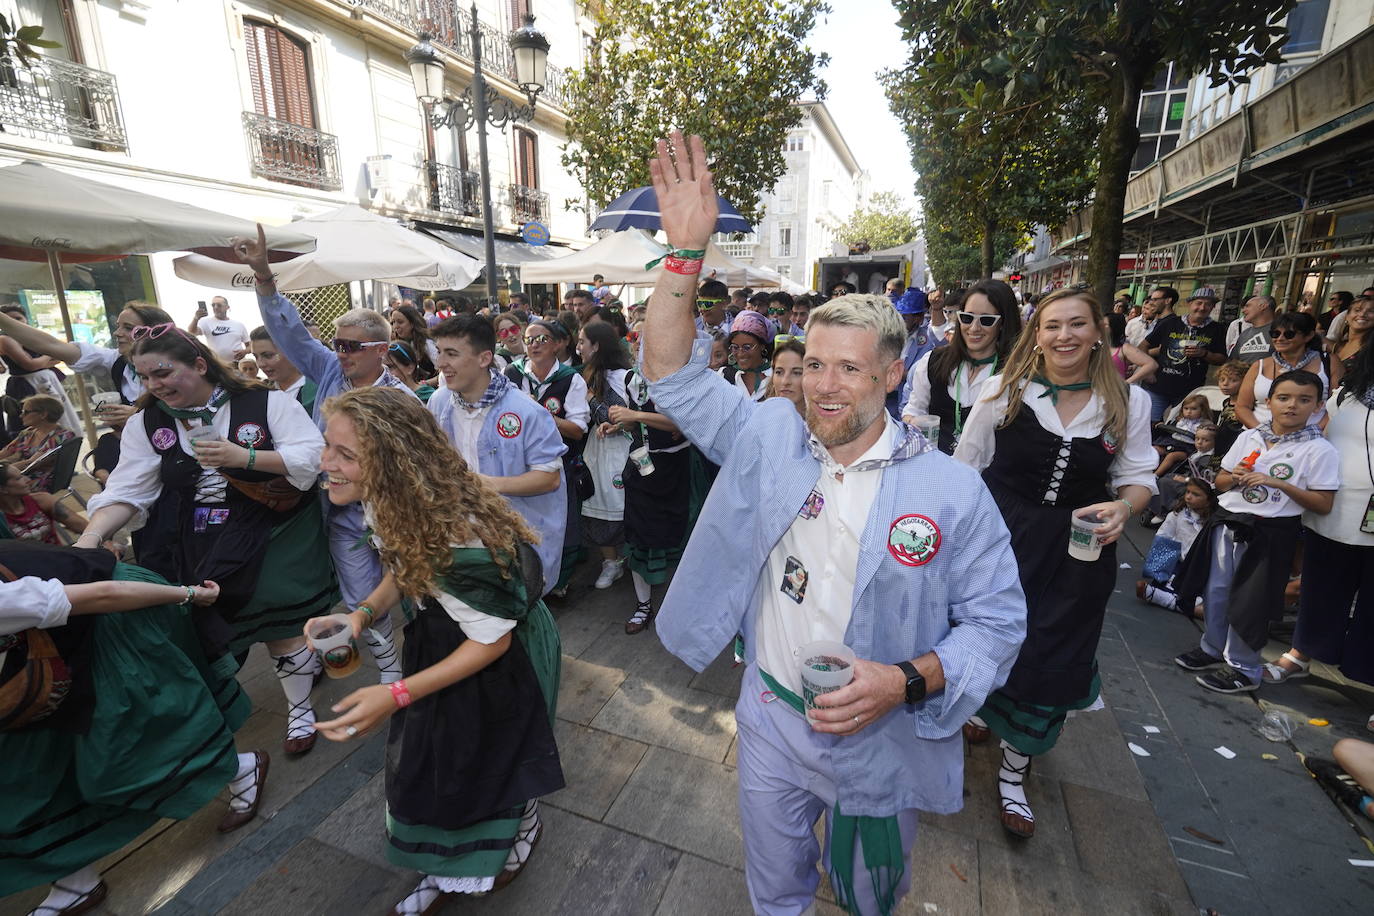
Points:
(224, 336)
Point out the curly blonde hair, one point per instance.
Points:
(422, 495)
(1027, 361)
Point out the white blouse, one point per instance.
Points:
(1135, 459)
(32, 602)
(962, 388)
(137, 480)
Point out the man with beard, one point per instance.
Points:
(844, 540)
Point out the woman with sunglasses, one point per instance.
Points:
(400, 359)
(1058, 435)
(750, 347)
(36, 447)
(946, 381)
(510, 336)
(563, 392)
(410, 327)
(233, 466)
(1293, 338)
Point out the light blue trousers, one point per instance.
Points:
(786, 783)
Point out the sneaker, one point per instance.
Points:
(610, 571)
(1227, 680)
(1197, 660)
(560, 592)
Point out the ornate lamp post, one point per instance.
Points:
(476, 107)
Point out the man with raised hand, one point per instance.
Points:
(860, 534)
(355, 358)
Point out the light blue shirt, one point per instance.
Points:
(505, 449)
(964, 602)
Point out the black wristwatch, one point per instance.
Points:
(915, 683)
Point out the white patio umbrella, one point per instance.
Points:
(53, 216)
(353, 244)
(621, 258)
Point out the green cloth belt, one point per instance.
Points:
(880, 837)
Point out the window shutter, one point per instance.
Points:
(518, 9)
(527, 164)
(279, 73)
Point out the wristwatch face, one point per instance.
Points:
(915, 683)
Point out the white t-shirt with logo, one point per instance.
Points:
(1312, 465)
(224, 335)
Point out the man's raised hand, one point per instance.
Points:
(686, 194)
(253, 253)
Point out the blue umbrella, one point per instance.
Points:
(638, 209)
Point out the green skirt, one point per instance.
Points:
(296, 582)
(478, 851)
(160, 744)
(1030, 728)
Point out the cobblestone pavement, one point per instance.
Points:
(648, 825)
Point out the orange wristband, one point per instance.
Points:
(400, 693)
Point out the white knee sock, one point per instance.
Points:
(242, 792)
(72, 888)
(1161, 597)
(642, 588)
(381, 640)
(530, 825)
(1011, 778)
(296, 671)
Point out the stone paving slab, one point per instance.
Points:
(316, 878)
(670, 715)
(684, 802)
(585, 688)
(596, 766)
(700, 887)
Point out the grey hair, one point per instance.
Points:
(1269, 301)
(861, 310)
(371, 323)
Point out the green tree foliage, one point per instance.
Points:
(953, 261)
(730, 70)
(21, 41)
(983, 175)
(884, 223)
(998, 56)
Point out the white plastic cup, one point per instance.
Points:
(929, 425)
(1084, 544)
(643, 461)
(202, 433)
(332, 640)
(825, 666)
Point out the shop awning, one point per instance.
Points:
(508, 253)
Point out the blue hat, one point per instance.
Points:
(913, 302)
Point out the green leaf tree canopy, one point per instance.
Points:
(730, 70)
(1002, 54)
(884, 223)
(21, 41)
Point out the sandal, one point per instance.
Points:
(233, 819)
(975, 733)
(84, 903)
(639, 620)
(1017, 817)
(1274, 673)
(525, 841)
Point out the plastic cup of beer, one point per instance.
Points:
(825, 666)
(332, 639)
(1084, 543)
(202, 433)
(929, 425)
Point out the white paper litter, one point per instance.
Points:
(1137, 749)
(1225, 752)
(1125, 565)
(1151, 729)
(1362, 863)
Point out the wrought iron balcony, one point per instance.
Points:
(60, 101)
(291, 153)
(447, 21)
(528, 204)
(454, 190)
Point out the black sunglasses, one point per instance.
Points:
(1285, 333)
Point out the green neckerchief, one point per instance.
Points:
(1052, 390)
(560, 372)
(305, 396)
(879, 837)
(205, 414)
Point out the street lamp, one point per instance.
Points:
(475, 107)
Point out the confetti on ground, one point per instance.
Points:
(1268, 757)
(1152, 729)
(1203, 836)
(1125, 565)
(1318, 722)
(1362, 863)
(1137, 749)
(1225, 752)
(957, 873)
(930, 908)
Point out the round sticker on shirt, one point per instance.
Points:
(1256, 494)
(913, 540)
(1281, 471)
(1109, 441)
(164, 437)
(554, 405)
(618, 482)
(508, 425)
(249, 434)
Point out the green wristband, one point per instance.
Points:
(252, 458)
(1130, 508)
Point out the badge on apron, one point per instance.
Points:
(813, 506)
(794, 578)
(164, 437)
(508, 425)
(553, 405)
(913, 540)
(249, 434)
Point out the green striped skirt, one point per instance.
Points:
(1028, 727)
(160, 744)
(477, 851)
